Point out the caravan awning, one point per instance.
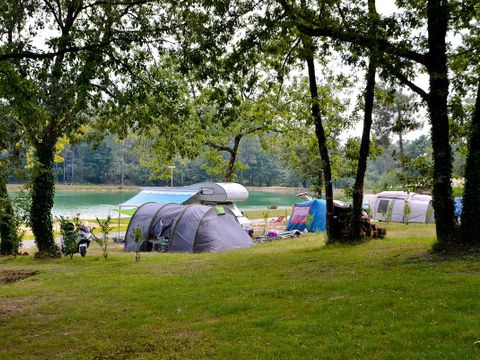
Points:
(160, 196)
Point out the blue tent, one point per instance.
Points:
(313, 212)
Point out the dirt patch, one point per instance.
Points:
(9, 308)
(9, 276)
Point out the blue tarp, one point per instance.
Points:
(458, 203)
(164, 196)
(313, 212)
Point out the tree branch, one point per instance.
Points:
(357, 38)
(404, 80)
(219, 147)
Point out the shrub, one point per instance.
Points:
(69, 231)
(407, 210)
(137, 236)
(103, 241)
(265, 218)
(10, 233)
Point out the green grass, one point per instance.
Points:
(296, 299)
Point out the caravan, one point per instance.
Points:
(205, 193)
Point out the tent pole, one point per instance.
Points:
(118, 229)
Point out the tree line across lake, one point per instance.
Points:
(183, 81)
(117, 162)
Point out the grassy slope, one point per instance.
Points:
(284, 300)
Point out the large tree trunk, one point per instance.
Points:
(469, 234)
(8, 228)
(321, 138)
(233, 157)
(438, 16)
(364, 152)
(43, 190)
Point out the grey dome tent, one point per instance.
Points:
(189, 228)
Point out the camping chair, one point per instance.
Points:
(278, 220)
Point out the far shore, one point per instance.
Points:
(83, 187)
(133, 188)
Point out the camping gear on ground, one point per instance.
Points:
(342, 223)
(84, 237)
(279, 236)
(458, 203)
(401, 206)
(278, 220)
(312, 216)
(185, 228)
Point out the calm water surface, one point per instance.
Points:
(101, 204)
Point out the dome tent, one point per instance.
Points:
(310, 215)
(189, 228)
(392, 204)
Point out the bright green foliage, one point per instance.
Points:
(137, 236)
(309, 219)
(265, 216)
(407, 210)
(297, 144)
(182, 117)
(69, 229)
(59, 60)
(10, 233)
(104, 240)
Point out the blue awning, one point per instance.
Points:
(161, 196)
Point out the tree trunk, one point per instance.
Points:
(122, 165)
(320, 134)
(8, 228)
(73, 164)
(233, 157)
(402, 160)
(65, 168)
(438, 16)
(364, 152)
(43, 190)
(469, 234)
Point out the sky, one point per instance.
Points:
(386, 8)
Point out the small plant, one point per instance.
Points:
(370, 211)
(265, 218)
(137, 236)
(309, 219)
(285, 214)
(407, 210)
(272, 206)
(103, 241)
(388, 215)
(69, 231)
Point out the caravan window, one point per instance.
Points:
(383, 206)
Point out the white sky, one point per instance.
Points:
(386, 8)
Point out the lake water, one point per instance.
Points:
(101, 204)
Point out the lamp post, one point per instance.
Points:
(171, 167)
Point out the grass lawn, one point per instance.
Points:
(296, 299)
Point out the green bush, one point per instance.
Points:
(137, 236)
(103, 241)
(69, 231)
